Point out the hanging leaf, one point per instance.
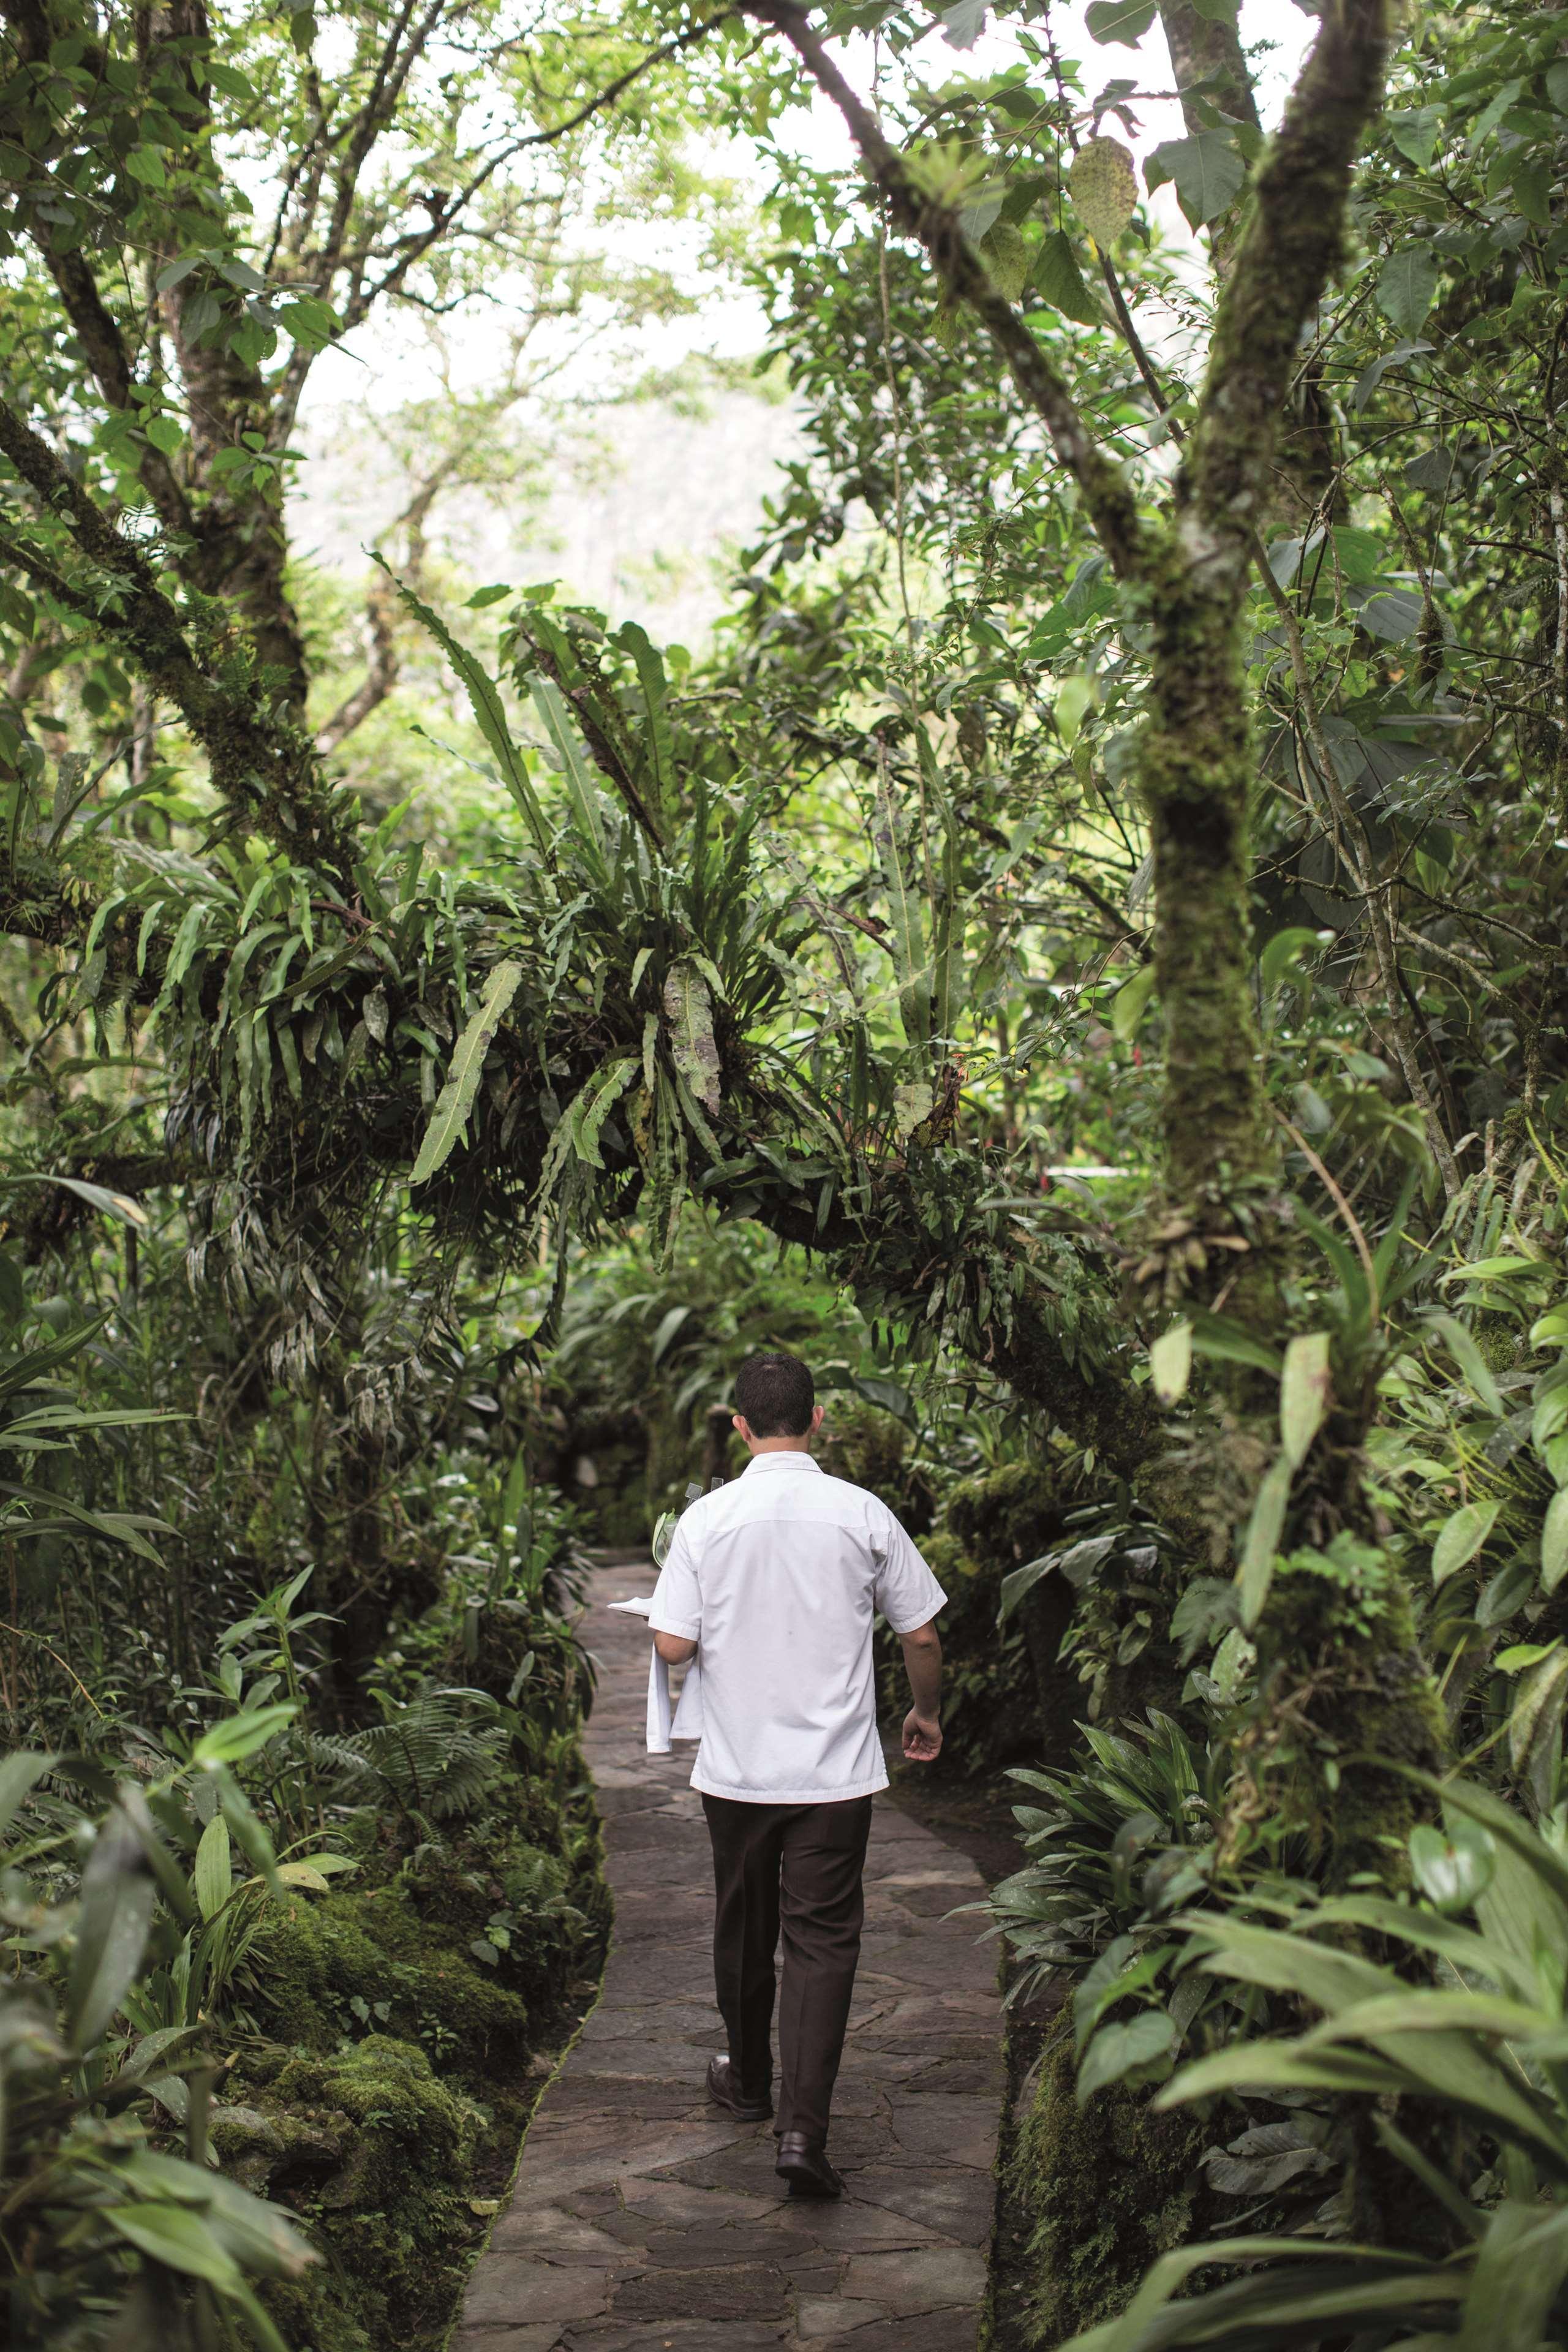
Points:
(1460, 1538)
(1170, 1362)
(1537, 1711)
(1469, 1359)
(455, 1100)
(213, 1874)
(1554, 1541)
(594, 1105)
(490, 712)
(1207, 171)
(911, 1104)
(1125, 21)
(1406, 285)
(1059, 281)
(1304, 1393)
(1416, 133)
(1130, 1003)
(581, 787)
(688, 1008)
(1103, 183)
(1262, 1541)
(1006, 259)
(907, 938)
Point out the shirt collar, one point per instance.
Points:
(782, 1461)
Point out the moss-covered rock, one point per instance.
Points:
(409, 2142)
(1104, 2190)
(328, 1966)
(1005, 1515)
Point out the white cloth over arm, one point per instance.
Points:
(685, 1722)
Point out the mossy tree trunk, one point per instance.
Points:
(1358, 1682)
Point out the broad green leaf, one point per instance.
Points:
(178, 2236)
(214, 1874)
(1059, 281)
(455, 1100)
(1460, 1538)
(1125, 21)
(1285, 948)
(242, 1734)
(1416, 133)
(304, 1875)
(1006, 259)
(1538, 1706)
(1119, 2049)
(1130, 1002)
(97, 1196)
(1304, 1393)
(1554, 1541)
(1469, 1359)
(1451, 1870)
(1102, 180)
(115, 1913)
(689, 1010)
(1170, 1362)
(1263, 1528)
(1019, 1583)
(1406, 285)
(1207, 169)
(19, 1774)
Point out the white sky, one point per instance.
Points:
(651, 539)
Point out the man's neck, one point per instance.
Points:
(778, 1445)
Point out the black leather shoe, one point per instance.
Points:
(805, 2166)
(725, 2092)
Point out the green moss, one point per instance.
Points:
(1105, 2189)
(1339, 1635)
(394, 2216)
(1006, 1516)
(328, 1964)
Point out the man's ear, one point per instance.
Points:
(739, 1423)
(816, 1413)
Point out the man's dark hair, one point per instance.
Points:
(776, 1396)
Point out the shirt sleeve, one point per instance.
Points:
(907, 1593)
(678, 1596)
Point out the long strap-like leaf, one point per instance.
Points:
(455, 1100)
(552, 707)
(907, 940)
(490, 712)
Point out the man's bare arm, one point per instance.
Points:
(923, 1662)
(674, 1649)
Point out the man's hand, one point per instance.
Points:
(922, 1657)
(923, 1737)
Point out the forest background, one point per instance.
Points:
(1077, 950)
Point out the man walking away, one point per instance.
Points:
(776, 1578)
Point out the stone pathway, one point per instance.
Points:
(642, 2219)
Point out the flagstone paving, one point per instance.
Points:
(642, 2218)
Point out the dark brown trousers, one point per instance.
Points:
(796, 1868)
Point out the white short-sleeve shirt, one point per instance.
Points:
(778, 1577)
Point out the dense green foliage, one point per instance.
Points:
(1137, 746)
